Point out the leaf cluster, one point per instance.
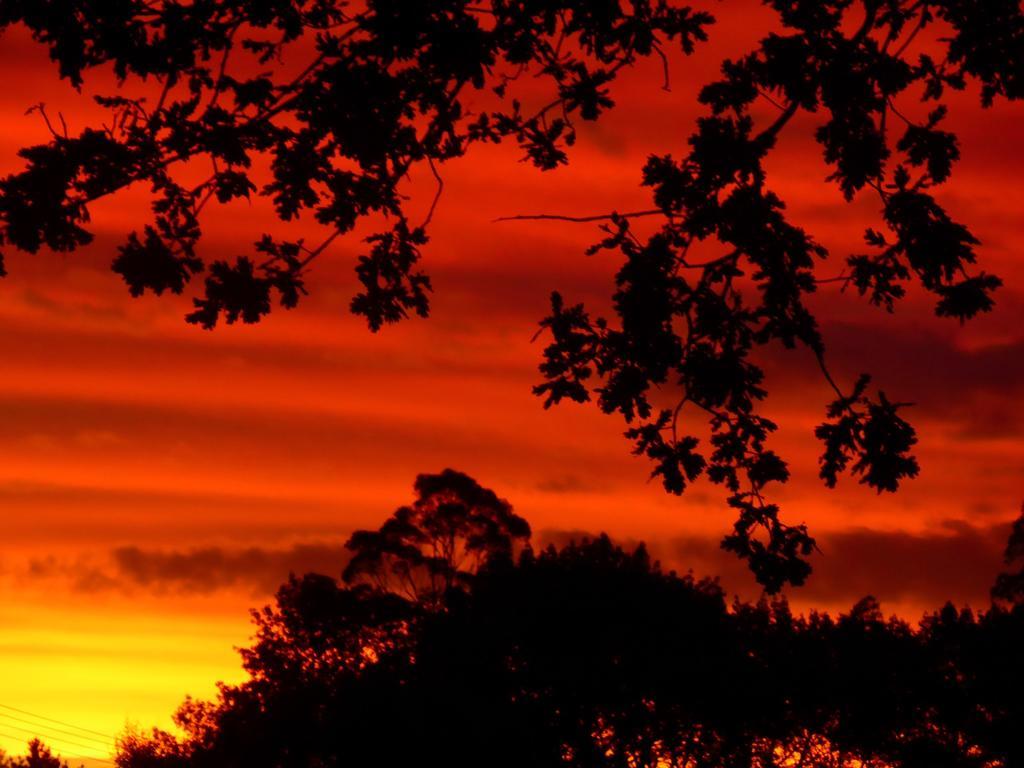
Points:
(385, 88)
(726, 275)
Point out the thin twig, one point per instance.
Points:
(768, 97)
(899, 114)
(41, 109)
(319, 249)
(437, 194)
(580, 219)
(772, 130)
(921, 21)
(828, 376)
(666, 83)
(218, 85)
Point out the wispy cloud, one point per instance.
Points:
(255, 570)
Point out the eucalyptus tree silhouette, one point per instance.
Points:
(438, 542)
(384, 86)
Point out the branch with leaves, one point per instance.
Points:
(385, 91)
(689, 330)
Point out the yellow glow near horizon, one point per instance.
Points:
(104, 667)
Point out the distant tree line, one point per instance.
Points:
(450, 642)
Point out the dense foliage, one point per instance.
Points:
(728, 273)
(381, 88)
(590, 655)
(345, 99)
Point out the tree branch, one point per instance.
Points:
(580, 219)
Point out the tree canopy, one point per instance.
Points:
(345, 99)
(37, 756)
(439, 542)
(592, 655)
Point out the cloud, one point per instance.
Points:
(254, 570)
(932, 365)
(570, 483)
(973, 387)
(203, 570)
(957, 562)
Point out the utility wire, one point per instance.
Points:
(104, 742)
(58, 722)
(50, 738)
(65, 757)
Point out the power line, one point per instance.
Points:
(107, 740)
(104, 742)
(58, 722)
(49, 737)
(73, 757)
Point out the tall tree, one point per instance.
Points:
(439, 542)
(381, 87)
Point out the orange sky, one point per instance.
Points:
(157, 480)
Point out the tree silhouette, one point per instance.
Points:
(591, 655)
(437, 543)
(384, 89)
(39, 756)
(1009, 586)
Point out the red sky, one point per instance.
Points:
(157, 480)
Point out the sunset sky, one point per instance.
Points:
(158, 481)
